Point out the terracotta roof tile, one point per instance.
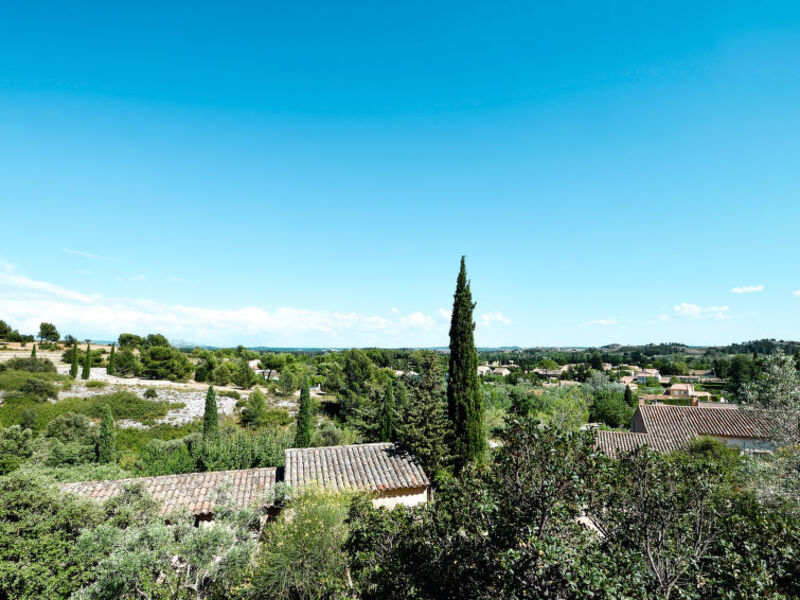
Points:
(368, 467)
(668, 428)
(196, 492)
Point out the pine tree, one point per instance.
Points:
(464, 404)
(111, 359)
(33, 352)
(424, 428)
(303, 436)
(87, 363)
(210, 417)
(386, 433)
(107, 441)
(628, 398)
(73, 370)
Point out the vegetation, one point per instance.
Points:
(304, 425)
(463, 397)
(210, 416)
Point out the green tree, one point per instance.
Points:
(87, 363)
(387, 413)
(628, 397)
(34, 362)
(73, 370)
(210, 416)
(111, 360)
(244, 376)
(126, 363)
(424, 428)
(463, 395)
(48, 333)
(107, 438)
(304, 424)
(165, 362)
(254, 412)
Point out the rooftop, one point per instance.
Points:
(196, 492)
(370, 467)
(668, 428)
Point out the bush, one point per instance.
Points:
(229, 394)
(126, 363)
(124, 405)
(38, 530)
(95, 384)
(16, 379)
(150, 393)
(39, 389)
(33, 365)
(287, 566)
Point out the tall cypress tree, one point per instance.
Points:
(628, 397)
(464, 404)
(303, 436)
(33, 352)
(210, 417)
(110, 367)
(107, 441)
(387, 414)
(34, 362)
(87, 363)
(73, 370)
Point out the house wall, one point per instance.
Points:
(406, 497)
(637, 426)
(748, 444)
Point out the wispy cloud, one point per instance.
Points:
(748, 289)
(605, 322)
(796, 293)
(139, 277)
(685, 309)
(91, 255)
(487, 319)
(26, 302)
(445, 314)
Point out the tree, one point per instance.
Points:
(628, 397)
(87, 363)
(126, 363)
(776, 398)
(107, 439)
(111, 360)
(304, 424)
(387, 414)
(129, 340)
(165, 362)
(244, 376)
(464, 404)
(424, 428)
(254, 412)
(73, 370)
(210, 416)
(48, 333)
(596, 361)
(33, 358)
(5, 330)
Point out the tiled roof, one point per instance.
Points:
(369, 467)
(668, 428)
(196, 492)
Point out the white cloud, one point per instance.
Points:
(747, 289)
(664, 317)
(489, 318)
(394, 309)
(26, 302)
(445, 314)
(796, 293)
(685, 309)
(602, 322)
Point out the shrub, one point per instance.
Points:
(38, 529)
(150, 393)
(229, 394)
(28, 364)
(287, 566)
(126, 363)
(95, 384)
(39, 389)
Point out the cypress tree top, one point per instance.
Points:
(210, 417)
(87, 363)
(73, 370)
(303, 435)
(464, 403)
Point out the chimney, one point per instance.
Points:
(694, 401)
(641, 401)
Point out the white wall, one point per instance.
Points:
(410, 497)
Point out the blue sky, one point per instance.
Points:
(308, 174)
